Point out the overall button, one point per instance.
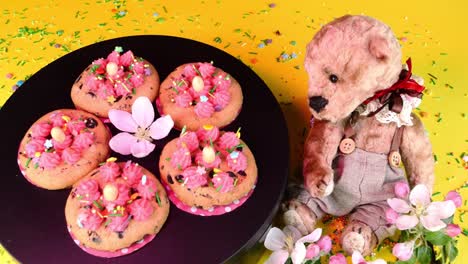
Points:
(394, 158)
(347, 146)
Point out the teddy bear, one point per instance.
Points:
(362, 131)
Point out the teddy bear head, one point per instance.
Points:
(347, 62)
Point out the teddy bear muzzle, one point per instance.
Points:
(317, 103)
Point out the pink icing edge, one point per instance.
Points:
(112, 254)
(217, 210)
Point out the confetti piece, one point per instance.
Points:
(155, 14)
(293, 42)
(9, 75)
(432, 76)
(261, 45)
(272, 5)
(161, 20)
(59, 32)
(217, 40)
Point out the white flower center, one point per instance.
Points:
(289, 241)
(143, 134)
(420, 208)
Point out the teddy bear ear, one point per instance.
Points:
(378, 47)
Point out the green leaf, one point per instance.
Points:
(437, 238)
(448, 220)
(405, 236)
(424, 254)
(451, 251)
(288, 261)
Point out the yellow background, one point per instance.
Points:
(433, 33)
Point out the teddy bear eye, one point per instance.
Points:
(333, 78)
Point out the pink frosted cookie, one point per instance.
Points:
(208, 169)
(116, 209)
(114, 83)
(199, 93)
(62, 147)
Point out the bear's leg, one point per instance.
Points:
(367, 227)
(300, 210)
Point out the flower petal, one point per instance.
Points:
(293, 232)
(441, 209)
(275, 239)
(122, 120)
(122, 143)
(161, 127)
(406, 222)
(298, 254)
(142, 148)
(420, 195)
(357, 258)
(399, 205)
(312, 237)
(143, 112)
(277, 257)
(432, 223)
(377, 261)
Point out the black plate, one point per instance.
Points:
(32, 222)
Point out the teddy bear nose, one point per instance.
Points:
(317, 103)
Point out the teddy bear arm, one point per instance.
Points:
(319, 151)
(417, 154)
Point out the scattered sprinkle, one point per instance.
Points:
(217, 40)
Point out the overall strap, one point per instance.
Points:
(394, 157)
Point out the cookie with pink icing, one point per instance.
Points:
(62, 147)
(116, 209)
(114, 82)
(207, 169)
(200, 93)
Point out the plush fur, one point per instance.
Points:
(365, 56)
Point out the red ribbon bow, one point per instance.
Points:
(405, 85)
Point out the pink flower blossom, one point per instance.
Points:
(139, 129)
(455, 197)
(337, 259)
(391, 216)
(288, 243)
(313, 251)
(453, 230)
(420, 209)
(403, 251)
(402, 189)
(325, 244)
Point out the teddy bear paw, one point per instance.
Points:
(300, 216)
(358, 237)
(353, 241)
(319, 187)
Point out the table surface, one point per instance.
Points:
(36, 32)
